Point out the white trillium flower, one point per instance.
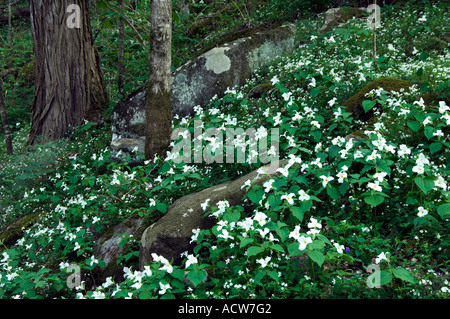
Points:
(304, 241)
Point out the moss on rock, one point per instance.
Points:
(260, 90)
(16, 229)
(354, 104)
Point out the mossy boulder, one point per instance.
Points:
(260, 90)
(227, 66)
(171, 235)
(354, 104)
(336, 16)
(108, 247)
(16, 230)
(208, 75)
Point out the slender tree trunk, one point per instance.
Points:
(4, 117)
(69, 83)
(158, 106)
(374, 38)
(121, 50)
(9, 23)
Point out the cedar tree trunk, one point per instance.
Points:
(69, 84)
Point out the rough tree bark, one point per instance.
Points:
(69, 84)
(158, 106)
(4, 117)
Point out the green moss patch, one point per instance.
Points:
(354, 104)
(16, 229)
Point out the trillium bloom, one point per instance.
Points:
(191, 259)
(274, 80)
(115, 180)
(339, 248)
(421, 159)
(331, 103)
(261, 218)
(317, 162)
(375, 186)
(304, 241)
(419, 169)
(222, 205)
(137, 285)
(315, 123)
(326, 179)
(246, 224)
(403, 150)
(314, 223)
(164, 288)
(293, 159)
(205, 204)
(93, 261)
(422, 212)
(284, 171)
(303, 196)
(263, 232)
(268, 185)
(166, 265)
(380, 176)
(98, 295)
(297, 117)
(295, 233)
(420, 103)
(147, 271)
(381, 257)
(341, 175)
(225, 235)
(440, 182)
(422, 18)
(289, 198)
(427, 121)
(443, 107)
(264, 261)
(373, 156)
(287, 96)
(358, 154)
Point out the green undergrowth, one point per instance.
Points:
(345, 218)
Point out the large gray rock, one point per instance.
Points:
(208, 75)
(108, 246)
(171, 235)
(336, 16)
(131, 148)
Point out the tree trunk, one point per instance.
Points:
(22, 13)
(4, 117)
(158, 106)
(374, 39)
(9, 23)
(69, 83)
(121, 50)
